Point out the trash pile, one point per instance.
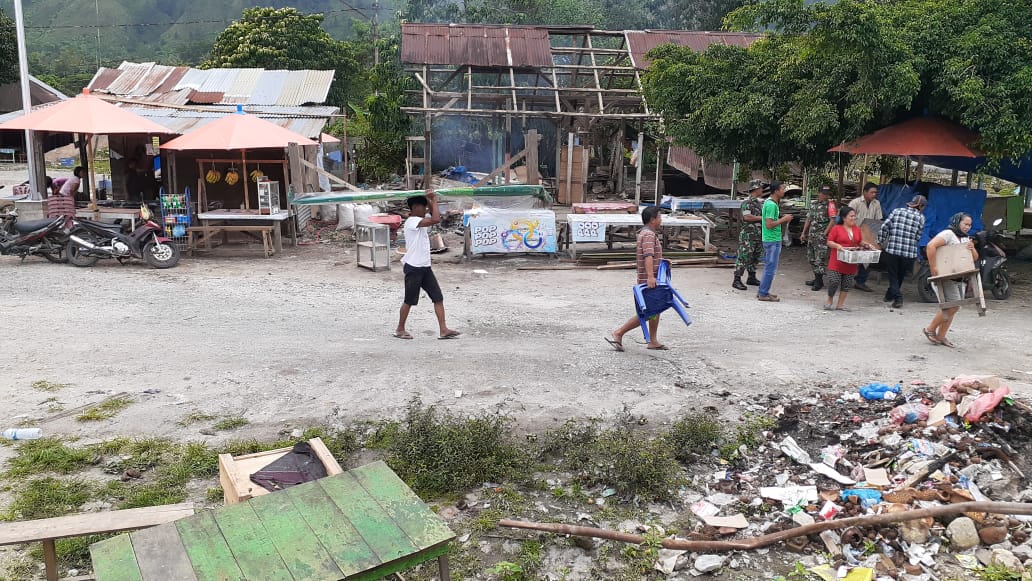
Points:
(879, 450)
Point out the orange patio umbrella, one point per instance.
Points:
(239, 131)
(87, 115)
(916, 137)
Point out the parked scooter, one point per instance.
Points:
(46, 238)
(90, 241)
(991, 259)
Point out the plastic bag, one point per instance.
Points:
(875, 391)
(985, 403)
(867, 496)
(909, 413)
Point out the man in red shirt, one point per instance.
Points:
(649, 252)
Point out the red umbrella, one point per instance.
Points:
(916, 137)
(239, 131)
(87, 115)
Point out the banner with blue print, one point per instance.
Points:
(512, 231)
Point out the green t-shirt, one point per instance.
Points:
(772, 211)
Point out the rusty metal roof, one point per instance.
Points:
(684, 160)
(642, 41)
(156, 83)
(483, 46)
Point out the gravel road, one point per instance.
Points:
(306, 338)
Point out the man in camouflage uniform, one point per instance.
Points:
(815, 235)
(750, 245)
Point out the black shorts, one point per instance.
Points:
(417, 278)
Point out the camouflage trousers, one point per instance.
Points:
(817, 253)
(750, 251)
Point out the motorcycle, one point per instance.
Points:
(89, 241)
(46, 238)
(991, 259)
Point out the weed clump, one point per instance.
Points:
(227, 424)
(438, 452)
(105, 410)
(694, 435)
(47, 497)
(44, 385)
(48, 455)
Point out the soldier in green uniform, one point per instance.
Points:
(750, 245)
(815, 235)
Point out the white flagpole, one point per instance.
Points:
(23, 69)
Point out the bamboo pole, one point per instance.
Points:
(92, 153)
(1008, 508)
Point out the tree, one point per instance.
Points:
(8, 50)
(826, 73)
(692, 14)
(287, 39)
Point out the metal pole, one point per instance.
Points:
(23, 70)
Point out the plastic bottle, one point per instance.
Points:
(873, 391)
(23, 434)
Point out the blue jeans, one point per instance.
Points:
(861, 274)
(771, 256)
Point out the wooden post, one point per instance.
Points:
(659, 171)
(641, 164)
(619, 170)
(50, 559)
(247, 195)
(92, 188)
(428, 177)
(295, 174)
(841, 179)
(955, 178)
(920, 171)
(531, 142)
(508, 147)
(806, 188)
(442, 563)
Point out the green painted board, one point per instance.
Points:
(161, 555)
(210, 555)
(298, 545)
(340, 538)
(250, 544)
(385, 537)
(114, 560)
(403, 506)
(402, 564)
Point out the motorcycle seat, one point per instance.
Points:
(27, 226)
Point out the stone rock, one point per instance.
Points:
(984, 556)
(993, 535)
(962, 534)
(915, 532)
(1023, 552)
(1007, 559)
(708, 563)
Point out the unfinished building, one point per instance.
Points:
(565, 101)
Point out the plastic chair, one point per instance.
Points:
(653, 301)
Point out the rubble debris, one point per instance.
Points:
(962, 533)
(708, 563)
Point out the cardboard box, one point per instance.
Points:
(575, 195)
(235, 472)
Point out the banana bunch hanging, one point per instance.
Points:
(213, 176)
(232, 176)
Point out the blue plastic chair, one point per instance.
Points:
(653, 301)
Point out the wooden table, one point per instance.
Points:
(223, 217)
(595, 227)
(363, 524)
(110, 215)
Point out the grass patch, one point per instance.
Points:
(215, 495)
(47, 497)
(694, 435)
(48, 455)
(105, 410)
(44, 385)
(195, 418)
(627, 459)
(227, 424)
(437, 452)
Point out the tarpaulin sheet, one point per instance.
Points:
(538, 192)
(1017, 171)
(944, 202)
(894, 196)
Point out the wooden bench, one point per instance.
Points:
(207, 233)
(79, 525)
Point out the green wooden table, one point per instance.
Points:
(363, 524)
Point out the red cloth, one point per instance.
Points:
(840, 235)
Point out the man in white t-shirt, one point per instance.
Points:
(418, 275)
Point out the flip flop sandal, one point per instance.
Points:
(401, 335)
(452, 335)
(616, 344)
(946, 343)
(842, 309)
(659, 348)
(931, 337)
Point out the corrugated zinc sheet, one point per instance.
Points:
(303, 87)
(154, 78)
(684, 160)
(243, 85)
(180, 121)
(486, 46)
(132, 74)
(269, 88)
(103, 79)
(642, 41)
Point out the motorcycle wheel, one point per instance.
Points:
(75, 256)
(161, 254)
(1001, 285)
(924, 288)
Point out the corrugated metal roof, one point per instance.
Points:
(642, 41)
(174, 85)
(487, 46)
(684, 160)
(205, 98)
(307, 121)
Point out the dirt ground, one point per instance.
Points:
(307, 337)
